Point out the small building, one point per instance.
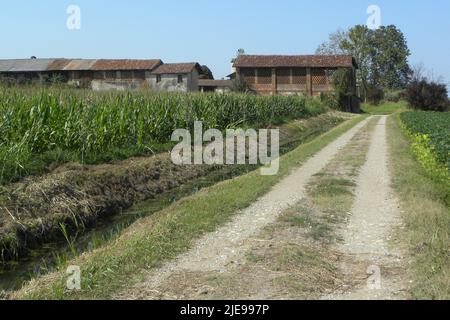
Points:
(301, 74)
(211, 85)
(105, 74)
(178, 77)
(24, 71)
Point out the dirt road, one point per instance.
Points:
(365, 237)
(374, 265)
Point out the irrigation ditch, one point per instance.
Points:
(99, 202)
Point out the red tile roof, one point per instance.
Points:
(278, 61)
(58, 64)
(170, 68)
(103, 65)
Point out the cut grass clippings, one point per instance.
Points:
(161, 237)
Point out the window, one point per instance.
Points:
(158, 78)
(180, 78)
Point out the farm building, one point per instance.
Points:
(211, 85)
(105, 74)
(180, 77)
(302, 74)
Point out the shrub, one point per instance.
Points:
(6, 81)
(428, 96)
(330, 101)
(375, 95)
(343, 89)
(394, 95)
(57, 79)
(239, 85)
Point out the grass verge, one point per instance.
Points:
(163, 236)
(385, 108)
(426, 215)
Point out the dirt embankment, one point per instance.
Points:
(77, 195)
(31, 211)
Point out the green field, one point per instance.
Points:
(435, 130)
(425, 211)
(39, 127)
(385, 108)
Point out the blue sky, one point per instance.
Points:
(210, 31)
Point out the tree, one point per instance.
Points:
(381, 54)
(206, 73)
(354, 42)
(390, 58)
(358, 44)
(333, 45)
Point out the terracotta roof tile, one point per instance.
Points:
(274, 61)
(169, 68)
(58, 64)
(104, 64)
(79, 65)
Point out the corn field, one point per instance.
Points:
(38, 126)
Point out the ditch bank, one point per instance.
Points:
(33, 211)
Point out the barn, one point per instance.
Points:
(296, 74)
(104, 74)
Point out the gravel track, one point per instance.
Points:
(374, 266)
(216, 250)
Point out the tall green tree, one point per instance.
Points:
(390, 58)
(382, 55)
(358, 43)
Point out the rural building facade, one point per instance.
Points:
(180, 77)
(211, 85)
(104, 74)
(307, 74)
(263, 74)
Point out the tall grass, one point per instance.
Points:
(38, 126)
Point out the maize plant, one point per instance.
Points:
(34, 121)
